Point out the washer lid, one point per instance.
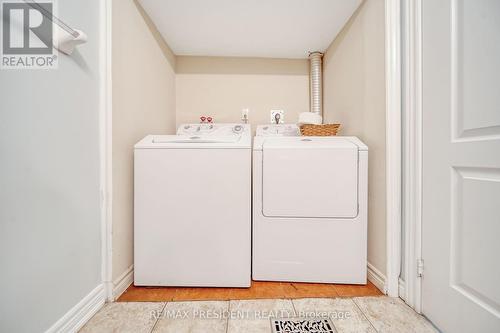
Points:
(194, 139)
(310, 177)
(198, 136)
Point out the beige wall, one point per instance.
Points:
(143, 103)
(354, 95)
(221, 87)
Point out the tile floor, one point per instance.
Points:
(258, 290)
(358, 314)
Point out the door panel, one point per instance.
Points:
(474, 239)
(328, 186)
(475, 43)
(461, 174)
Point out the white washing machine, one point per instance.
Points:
(192, 207)
(309, 207)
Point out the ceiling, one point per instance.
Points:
(249, 28)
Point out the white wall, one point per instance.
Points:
(354, 95)
(143, 103)
(49, 182)
(222, 86)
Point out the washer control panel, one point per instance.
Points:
(212, 129)
(189, 129)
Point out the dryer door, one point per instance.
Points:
(310, 177)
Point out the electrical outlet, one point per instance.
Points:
(277, 116)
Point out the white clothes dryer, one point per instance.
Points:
(309, 207)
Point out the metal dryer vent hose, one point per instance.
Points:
(316, 82)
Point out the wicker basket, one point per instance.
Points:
(319, 130)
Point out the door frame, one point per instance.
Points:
(393, 144)
(105, 145)
(413, 154)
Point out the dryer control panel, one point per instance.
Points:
(278, 130)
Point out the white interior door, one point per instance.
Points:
(461, 161)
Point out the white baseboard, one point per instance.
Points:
(377, 278)
(123, 282)
(76, 317)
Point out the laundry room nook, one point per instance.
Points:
(226, 166)
(323, 65)
(212, 75)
